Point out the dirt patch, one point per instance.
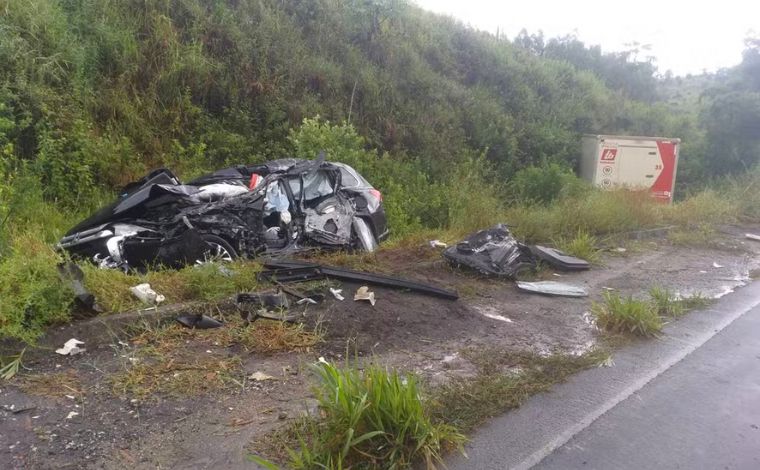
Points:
(214, 428)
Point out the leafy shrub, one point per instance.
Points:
(627, 316)
(545, 184)
(372, 419)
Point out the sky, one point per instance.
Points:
(685, 37)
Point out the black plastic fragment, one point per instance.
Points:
(493, 252)
(361, 277)
(558, 259)
(201, 322)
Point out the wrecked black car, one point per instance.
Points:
(276, 207)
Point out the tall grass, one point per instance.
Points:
(371, 419)
(627, 316)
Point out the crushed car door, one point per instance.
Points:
(328, 215)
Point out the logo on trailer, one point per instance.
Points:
(608, 155)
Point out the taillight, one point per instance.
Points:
(376, 194)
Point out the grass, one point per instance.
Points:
(665, 302)
(583, 245)
(10, 365)
(56, 384)
(701, 235)
(373, 418)
(504, 381)
(645, 318)
(206, 282)
(171, 359)
(177, 377)
(620, 315)
(263, 336)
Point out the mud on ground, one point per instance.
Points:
(73, 412)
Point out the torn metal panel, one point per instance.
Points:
(493, 252)
(330, 222)
(553, 288)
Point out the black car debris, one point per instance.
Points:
(496, 252)
(276, 207)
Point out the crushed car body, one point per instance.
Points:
(276, 207)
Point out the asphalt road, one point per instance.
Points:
(689, 400)
(702, 413)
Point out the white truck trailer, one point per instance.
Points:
(639, 163)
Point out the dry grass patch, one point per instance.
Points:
(56, 384)
(177, 377)
(261, 336)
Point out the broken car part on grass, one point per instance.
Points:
(280, 206)
(497, 252)
(296, 271)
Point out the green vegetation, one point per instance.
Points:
(583, 246)
(629, 316)
(620, 315)
(665, 302)
(373, 418)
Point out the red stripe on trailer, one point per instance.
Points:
(663, 186)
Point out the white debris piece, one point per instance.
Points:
(553, 288)
(363, 293)
(146, 294)
(71, 348)
(72, 414)
(437, 244)
(717, 266)
(752, 236)
(259, 376)
(494, 316)
(307, 300)
(336, 293)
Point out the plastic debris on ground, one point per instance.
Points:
(337, 293)
(72, 414)
(752, 236)
(259, 376)
(146, 294)
(494, 316)
(271, 305)
(71, 348)
(201, 322)
(717, 266)
(363, 293)
(438, 244)
(558, 259)
(553, 288)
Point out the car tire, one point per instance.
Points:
(220, 249)
(364, 236)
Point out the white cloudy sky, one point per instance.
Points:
(686, 37)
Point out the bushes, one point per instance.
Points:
(32, 294)
(545, 184)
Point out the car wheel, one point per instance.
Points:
(364, 235)
(219, 249)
